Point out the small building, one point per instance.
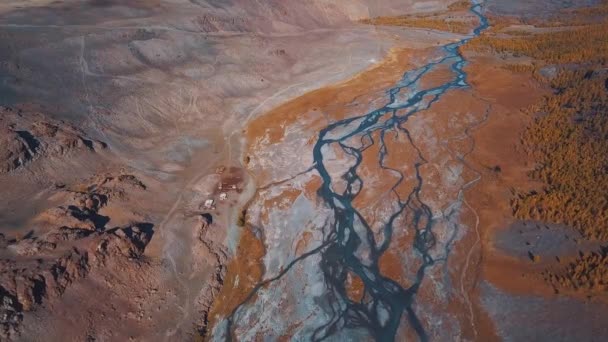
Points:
(209, 204)
(223, 196)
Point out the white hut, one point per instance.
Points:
(209, 203)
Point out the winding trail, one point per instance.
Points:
(462, 198)
(349, 245)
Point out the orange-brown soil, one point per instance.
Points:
(355, 289)
(378, 181)
(495, 145)
(244, 271)
(455, 129)
(333, 102)
(437, 77)
(501, 160)
(391, 265)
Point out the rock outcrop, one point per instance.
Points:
(37, 269)
(215, 253)
(26, 136)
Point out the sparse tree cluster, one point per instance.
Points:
(587, 44)
(432, 22)
(568, 137)
(461, 5)
(570, 143)
(587, 273)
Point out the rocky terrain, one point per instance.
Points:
(67, 244)
(296, 170)
(28, 136)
